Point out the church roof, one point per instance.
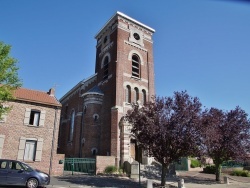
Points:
(94, 90)
(41, 97)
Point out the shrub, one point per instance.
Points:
(243, 173)
(195, 163)
(110, 169)
(210, 169)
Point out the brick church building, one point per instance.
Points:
(93, 110)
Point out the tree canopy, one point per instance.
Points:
(9, 79)
(167, 128)
(226, 136)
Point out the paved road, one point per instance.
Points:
(92, 181)
(191, 179)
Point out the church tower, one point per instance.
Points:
(93, 110)
(125, 73)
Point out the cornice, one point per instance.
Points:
(135, 45)
(131, 21)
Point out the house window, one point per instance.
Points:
(105, 68)
(144, 97)
(34, 117)
(30, 150)
(128, 94)
(135, 66)
(136, 97)
(72, 125)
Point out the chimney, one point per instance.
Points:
(51, 92)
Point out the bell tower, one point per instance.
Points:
(125, 73)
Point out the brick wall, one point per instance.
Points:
(14, 130)
(102, 162)
(105, 135)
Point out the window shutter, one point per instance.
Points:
(42, 118)
(2, 137)
(27, 116)
(21, 148)
(39, 149)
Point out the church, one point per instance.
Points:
(92, 111)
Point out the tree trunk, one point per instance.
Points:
(163, 174)
(218, 171)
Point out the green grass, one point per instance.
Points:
(110, 170)
(243, 173)
(195, 163)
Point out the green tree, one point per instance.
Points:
(9, 80)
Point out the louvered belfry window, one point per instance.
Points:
(135, 66)
(106, 68)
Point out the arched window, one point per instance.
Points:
(94, 151)
(136, 98)
(135, 66)
(95, 117)
(144, 97)
(128, 94)
(106, 68)
(72, 124)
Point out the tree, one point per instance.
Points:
(9, 80)
(226, 136)
(167, 128)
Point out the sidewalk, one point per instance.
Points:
(201, 180)
(191, 180)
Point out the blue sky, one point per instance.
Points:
(202, 46)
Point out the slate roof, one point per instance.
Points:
(40, 97)
(95, 89)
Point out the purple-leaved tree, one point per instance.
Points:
(167, 128)
(226, 136)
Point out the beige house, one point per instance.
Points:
(29, 132)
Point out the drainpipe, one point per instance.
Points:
(53, 141)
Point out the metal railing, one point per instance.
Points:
(84, 165)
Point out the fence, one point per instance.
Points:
(182, 165)
(84, 165)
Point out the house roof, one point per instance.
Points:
(40, 97)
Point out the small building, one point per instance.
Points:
(29, 132)
(92, 118)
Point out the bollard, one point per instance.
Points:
(181, 183)
(226, 180)
(149, 184)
